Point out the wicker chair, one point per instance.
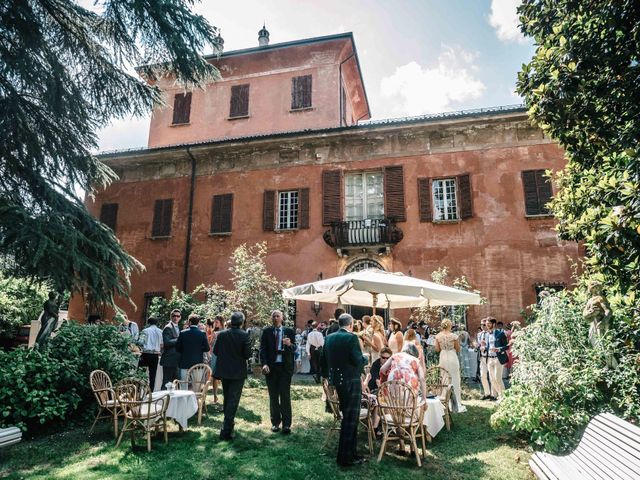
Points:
(402, 418)
(105, 396)
(141, 412)
(334, 404)
(141, 385)
(198, 378)
(439, 384)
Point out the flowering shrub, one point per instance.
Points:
(561, 379)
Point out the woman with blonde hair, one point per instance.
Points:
(396, 339)
(448, 344)
(377, 337)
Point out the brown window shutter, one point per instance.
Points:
(543, 184)
(465, 198)
(239, 101)
(109, 215)
(301, 88)
(268, 211)
(424, 199)
(222, 213)
(531, 201)
(162, 215)
(181, 108)
(394, 193)
(331, 196)
(303, 208)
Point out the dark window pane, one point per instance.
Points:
(239, 101)
(109, 215)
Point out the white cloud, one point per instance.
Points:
(415, 90)
(504, 18)
(124, 133)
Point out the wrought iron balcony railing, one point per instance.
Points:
(363, 233)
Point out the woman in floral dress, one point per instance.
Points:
(405, 367)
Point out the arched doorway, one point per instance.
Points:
(363, 264)
(356, 311)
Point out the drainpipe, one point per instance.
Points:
(187, 248)
(341, 86)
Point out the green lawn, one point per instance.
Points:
(472, 450)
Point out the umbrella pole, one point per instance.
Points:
(375, 301)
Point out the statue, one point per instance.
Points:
(597, 312)
(48, 319)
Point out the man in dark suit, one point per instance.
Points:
(232, 349)
(277, 348)
(342, 363)
(170, 356)
(191, 346)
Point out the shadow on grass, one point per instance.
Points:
(468, 451)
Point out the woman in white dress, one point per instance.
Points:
(448, 344)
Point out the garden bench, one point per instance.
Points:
(9, 436)
(608, 449)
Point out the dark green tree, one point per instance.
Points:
(65, 71)
(582, 87)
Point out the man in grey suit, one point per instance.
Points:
(232, 350)
(170, 355)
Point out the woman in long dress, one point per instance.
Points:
(448, 345)
(465, 356)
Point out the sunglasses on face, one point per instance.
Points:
(385, 358)
(176, 316)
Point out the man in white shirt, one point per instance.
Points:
(489, 364)
(151, 338)
(315, 341)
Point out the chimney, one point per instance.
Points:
(263, 37)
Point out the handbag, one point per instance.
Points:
(503, 357)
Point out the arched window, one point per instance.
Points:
(356, 311)
(363, 264)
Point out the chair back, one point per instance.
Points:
(102, 387)
(437, 380)
(137, 402)
(398, 403)
(198, 378)
(332, 398)
(142, 386)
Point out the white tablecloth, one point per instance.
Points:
(433, 417)
(183, 404)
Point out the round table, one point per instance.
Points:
(183, 404)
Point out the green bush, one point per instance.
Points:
(161, 307)
(21, 301)
(41, 387)
(35, 389)
(93, 347)
(560, 380)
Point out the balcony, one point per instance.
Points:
(367, 236)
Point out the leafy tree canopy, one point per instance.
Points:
(583, 89)
(64, 73)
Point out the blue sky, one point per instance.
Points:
(417, 56)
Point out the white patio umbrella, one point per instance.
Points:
(377, 288)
